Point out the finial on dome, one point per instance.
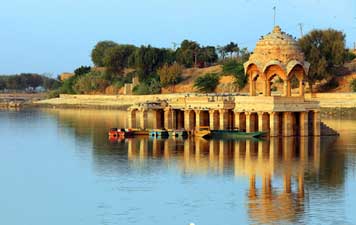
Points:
(277, 29)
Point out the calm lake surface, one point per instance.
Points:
(58, 167)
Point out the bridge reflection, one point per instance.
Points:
(275, 168)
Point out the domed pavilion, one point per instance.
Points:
(276, 54)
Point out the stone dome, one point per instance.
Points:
(276, 46)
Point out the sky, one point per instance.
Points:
(54, 36)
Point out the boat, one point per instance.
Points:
(140, 132)
(233, 134)
(178, 133)
(202, 131)
(120, 132)
(158, 133)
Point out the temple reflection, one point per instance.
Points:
(275, 167)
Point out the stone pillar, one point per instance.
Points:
(131, 117)
(168, 118)
(265, 87)
(188, 120)
(157, 119)
(213, 120)
(174, 119)
(301, 88)
(252, 86)
(143, 118)
(180, 119)
(224, 119)
(287, 124)
(263, 122)
(316, 123)
(287, 88)
(240, 121)
(197, 118)
(303, 124)
(274, 124)
(268, 88)
(250, 122)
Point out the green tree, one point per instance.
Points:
(82, 70)
(90, 82)
(67, 86)
(170, 75)
(116, 59)
(237, 70)
(187, 53)
(148, 59)
(231, 48)
(207, 83)
(207, 55)
(98, 52)
(150, 86)
(325, 51)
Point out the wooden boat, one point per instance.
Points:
(158, 133)
(203, 131)
(178, 133)
(122, 132)
(140, 132)
(232, 134)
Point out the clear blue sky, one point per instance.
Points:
(57, 35)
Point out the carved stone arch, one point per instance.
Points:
(295, 68)
(274, 68)
(252, 70)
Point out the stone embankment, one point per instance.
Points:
(102, 101)
(18, 100)
(328, 101)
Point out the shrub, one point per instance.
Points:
(82, 70)
(170, 74)
(353, 85)
(207, 83)
(237, 70)
(90, 82)
(67, 86)
(151, 86)
(53, 94)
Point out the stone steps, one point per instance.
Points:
(325, 130)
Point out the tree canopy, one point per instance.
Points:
(207, 83)
(98, 52)
(325, 51)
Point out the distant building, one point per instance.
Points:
(65, 76)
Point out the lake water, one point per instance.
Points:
(58, 167)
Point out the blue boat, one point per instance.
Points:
(158, 133)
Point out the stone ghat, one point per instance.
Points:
(274, 115)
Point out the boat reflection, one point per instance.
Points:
(275, 168)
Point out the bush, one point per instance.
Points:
(82, 70)
(207, 83)
(231, 67)
(237, 70)
(67, 86)
(350, 56)
(353, 85)
(53, 94)
(151, 86)
(170, 74)
(90, 82)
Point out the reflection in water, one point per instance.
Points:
(280, 172)
(287, 159)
